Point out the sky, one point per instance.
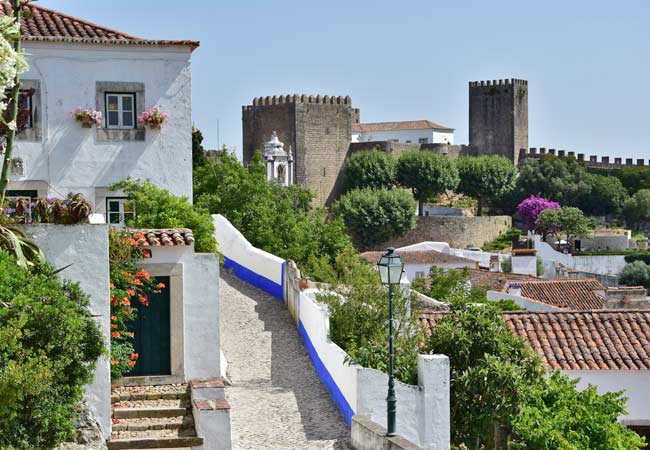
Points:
(587, 62)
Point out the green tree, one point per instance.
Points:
(634, 178)
(427, 174)
(158, 208)
(198, 152)
(486, 178)
(566, 223)
(636, 273)
(607, 195)
(562, 179)
(49, 343)
(375, 216)
(637, 208)
(370, 169)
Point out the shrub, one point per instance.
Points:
(637, 208)
(607, 195)
(635, 273)
(485, 177)
(566, 223)
(49, 343)
(370, 169)
(530, 208)
(506, 265)
(503, 240)
(375, 216)
(158, 208)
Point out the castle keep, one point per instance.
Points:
(498, 117)
(317, 129)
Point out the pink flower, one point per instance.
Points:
(153, 118)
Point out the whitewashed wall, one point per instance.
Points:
(255, 266)
(70, 158)
(636, 384)
(526, 303)
(432, 136)
(85, 249)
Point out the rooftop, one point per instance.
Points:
(581, 340)
(176, 237)
(44, 24)
(569, 293)
(495, 280)
(421, 257)
(398, 126)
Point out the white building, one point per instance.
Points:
(408, 132)
(75, 63)
(417, 263)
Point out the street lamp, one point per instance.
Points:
(390, 270)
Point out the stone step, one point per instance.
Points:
(151, 434)
(165, 392)
(147, 443)
(143, 413)
(148, 423)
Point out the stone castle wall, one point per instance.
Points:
(459, 232)
(605, 161)
(397, 148)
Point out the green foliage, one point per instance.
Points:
(370, 169)
(637, 208)
(23, 250)
(427, 174)
(158, 208)
(540, 266)
(375, 216)
(566, 223)
(49, 343)
(638, 255)
(503, 240)
(607, 195)
(274, 218)
(634, 178)
(198, 152)
(636, 273)
(486, 178)
(359, 321)
(506, 265)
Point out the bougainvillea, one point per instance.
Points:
(529, 209)
(129, 283)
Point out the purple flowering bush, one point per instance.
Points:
(530, 209)
(74, 209)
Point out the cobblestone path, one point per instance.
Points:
(277, 400)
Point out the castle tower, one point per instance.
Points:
(317, 128)
(498, 117)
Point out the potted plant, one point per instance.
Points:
(88, 117)
(153, 118)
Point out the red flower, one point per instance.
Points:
(131, 363)
(131, 292)
(126, 302)
(131, 334)
(134, 356)
(113, 318)
(160, 285)
(115, 334)
(112, 286)
(114, 362)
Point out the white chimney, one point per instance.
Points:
(495, 263)
(514, 289)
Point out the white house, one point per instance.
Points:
(408, 132)
(417, 263)
(75, 63)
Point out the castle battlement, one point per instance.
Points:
(507, 81)
(295, 98)
(605, 161)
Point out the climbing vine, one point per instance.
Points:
(129, 283)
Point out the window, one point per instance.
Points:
(423, 140)
(120, 111)
(25, 102)
(419, 275)
(119, 210)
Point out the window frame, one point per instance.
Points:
(30, 107)
(120, 111)
(121, 211)
(423, 140)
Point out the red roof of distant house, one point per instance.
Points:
(569, 293)
(495, 280)
(421, 257)
(398, 126)
(164, 237)
(580, 340)
(44, 24)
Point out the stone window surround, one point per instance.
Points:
(35, 133)
(111, 134)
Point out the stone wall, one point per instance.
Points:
(498, 117)
(397, 148)
(457, 231)
(368, 435)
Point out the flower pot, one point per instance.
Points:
(86, 125)
(303, 284)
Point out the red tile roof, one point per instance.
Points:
(421, 257)
(581, 340)
(164, 238)
(569, 293)
(43, 24)
(398, 126)
(495, 280)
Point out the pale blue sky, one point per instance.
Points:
(587, 62)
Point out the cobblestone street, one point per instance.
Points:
(278, 402)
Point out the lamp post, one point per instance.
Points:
(390, 270)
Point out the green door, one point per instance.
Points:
(151, 328)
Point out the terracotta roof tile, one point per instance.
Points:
(44, 24)
(421, 257)
(164, 237)
(495, 280)
(580, 340)
(398, 126)
(570, 293)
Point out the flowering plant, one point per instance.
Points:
(12, 63)
(74, 209)
(530, 209)
(129, 283)
(153, 118)
(88, 117)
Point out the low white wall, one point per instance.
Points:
(526, 303)
(636, 384)
(255, 266)
(85, 247)
(601, 264)
(524, 265)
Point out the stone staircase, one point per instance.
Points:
(152, 417)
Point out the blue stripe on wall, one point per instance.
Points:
(326, 378)
(257, 280)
